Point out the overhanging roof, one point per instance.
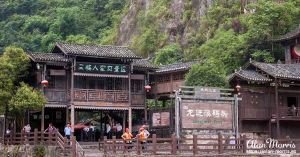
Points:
(175, 67)
(100, 51)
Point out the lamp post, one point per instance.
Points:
(44, 85)
(236, 109)
(147, 89)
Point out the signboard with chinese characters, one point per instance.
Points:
(160, 119)
(206, 115)
(207, 92)
(104, 68)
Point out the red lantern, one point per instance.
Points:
(44, 83)
(147, 88)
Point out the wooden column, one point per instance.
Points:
(145, 99)
(129, 119)
(277, 109)
(72, 96)
(288, 59)
(124, 120)
(43, 89)
(129, 99)
(67, 88)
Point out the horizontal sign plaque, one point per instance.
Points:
(206, 115)
(102, 68)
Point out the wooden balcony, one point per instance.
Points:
(289, 113)
(56, 95)
(168, 87)
(254, 113)
(138, 99)
(101, 95)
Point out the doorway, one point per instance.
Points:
(292, 101)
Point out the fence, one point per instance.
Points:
(191, 146)
(50, 139)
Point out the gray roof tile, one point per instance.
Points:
(285, 71)
(175, 67)
(290, 35)
(143, 63)
(250, 75)
(107, 51)
(45, 57)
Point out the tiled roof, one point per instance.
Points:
(288, 36)
(45, 57)
(108, 51)
(250, 75)
(175, 67)
(143, 63)
(285, 71)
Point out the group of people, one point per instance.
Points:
(142, 136)
(116, 130)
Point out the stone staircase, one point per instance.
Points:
(91, 149)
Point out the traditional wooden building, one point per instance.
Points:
(168, 78)
(106, 79)
(270, 93)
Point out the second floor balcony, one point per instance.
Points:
(94, 95)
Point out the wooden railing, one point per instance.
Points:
(56, 95)
(187, 146)
(138, 99)
(167, 87)
(41, 138)
(254, 113)
(101, 95)
(289, 112)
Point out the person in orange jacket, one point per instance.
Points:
(142, 137)
(127, 136)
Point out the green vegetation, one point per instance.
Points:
(14, 66)
(232, 37)
(168, 55)
(35, 25)
(39, 151)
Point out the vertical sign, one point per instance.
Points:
(160, 119)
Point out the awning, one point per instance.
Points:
(100, 75)
(55, 105)
(100, 108)
(138, 107)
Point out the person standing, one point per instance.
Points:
(119, 130)
(51, 129)
(27, 129)
(127, 136)
(67, 131)
(108, 131)
(142, 137)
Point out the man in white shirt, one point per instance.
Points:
(108, 131)
(119, 130)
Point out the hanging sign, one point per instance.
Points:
(205, 115)
(102, 68)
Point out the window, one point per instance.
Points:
(292, 101)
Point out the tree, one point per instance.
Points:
(26, 98)
(14, 64)
(208, 74)
(168, 55)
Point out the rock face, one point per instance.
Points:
(176, 27)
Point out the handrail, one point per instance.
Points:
(79, 150)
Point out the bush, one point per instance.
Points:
(39, 151)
